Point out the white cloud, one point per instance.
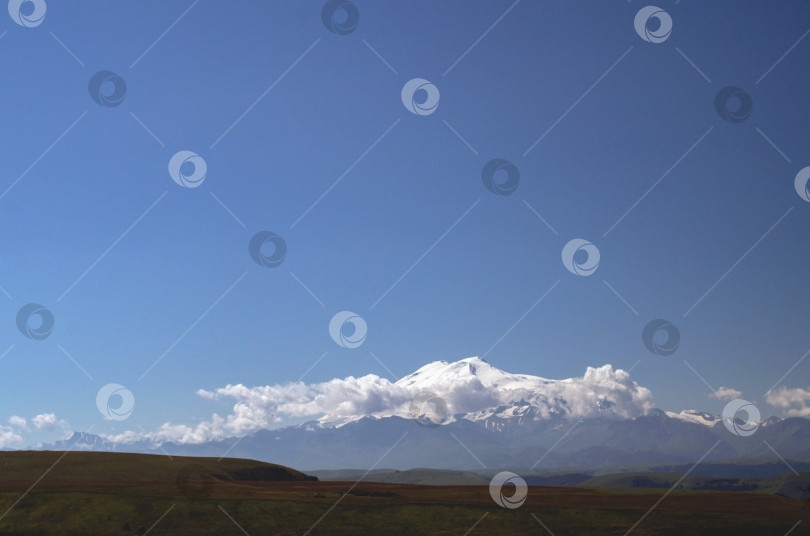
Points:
(8, 437)
(18, 421)
(48, 421)
(795, 402)
(726, 393)
(343, 400)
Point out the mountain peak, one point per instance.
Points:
(472, 364)
(475, 360)
(469, 369)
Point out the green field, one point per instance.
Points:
(110, 494)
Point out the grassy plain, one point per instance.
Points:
(110, 494)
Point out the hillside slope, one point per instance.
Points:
(118, 467)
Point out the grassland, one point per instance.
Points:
(110, 494)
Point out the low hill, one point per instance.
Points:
(114, 467)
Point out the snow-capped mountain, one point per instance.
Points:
(470, 389)
(459, 415)
(475, 390)
(699, 417)
(522, 400)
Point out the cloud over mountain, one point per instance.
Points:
(795, 402)
(471, 388)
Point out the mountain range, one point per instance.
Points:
(469, 415)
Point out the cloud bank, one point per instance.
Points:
(470, 387)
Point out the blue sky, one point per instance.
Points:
(301, 107)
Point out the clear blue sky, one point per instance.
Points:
(510, 88)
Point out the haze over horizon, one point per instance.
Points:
(234, 211)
